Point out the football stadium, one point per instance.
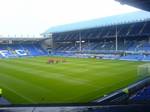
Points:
(100, 65)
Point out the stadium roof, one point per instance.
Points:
(105, 21)
(142, 4)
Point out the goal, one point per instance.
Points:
(143, 71)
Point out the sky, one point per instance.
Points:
(33, 17)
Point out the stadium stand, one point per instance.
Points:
(99, 36)
(142, 95)
(21, 50)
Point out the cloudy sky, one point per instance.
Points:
(33, 17)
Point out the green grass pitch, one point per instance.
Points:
(32, 80)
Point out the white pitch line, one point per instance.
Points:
(12, 90)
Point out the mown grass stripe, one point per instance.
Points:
(78, 80)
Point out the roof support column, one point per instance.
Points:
(80, 42)
(116, 39)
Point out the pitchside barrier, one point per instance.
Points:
(143, 71)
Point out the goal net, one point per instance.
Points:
(143, 71)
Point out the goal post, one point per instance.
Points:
(143, 71)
